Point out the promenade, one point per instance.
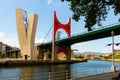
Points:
(105, 76)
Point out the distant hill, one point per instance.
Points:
(96, 53)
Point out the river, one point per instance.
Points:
(44, 72)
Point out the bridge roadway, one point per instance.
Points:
(105, 76)
(91, 35)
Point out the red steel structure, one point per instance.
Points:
(58, 25)
(66, 27)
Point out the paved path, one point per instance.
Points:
(106, 76)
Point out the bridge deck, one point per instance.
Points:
(105, 76)
(92, 35)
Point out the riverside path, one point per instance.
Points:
(105, 76)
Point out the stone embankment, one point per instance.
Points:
(7, 63)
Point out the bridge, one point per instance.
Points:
(86, 36)
(56, 49)
(82, 37)
(63, 46)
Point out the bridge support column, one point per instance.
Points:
(63, 49)
(69, 53)
(46, 55)
(56, 48)
(53, 51)
(40, 53)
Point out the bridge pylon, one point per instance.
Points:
(26, 33)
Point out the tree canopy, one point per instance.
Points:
(94, 11)
(0, 53)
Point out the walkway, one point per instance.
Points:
(106, 76)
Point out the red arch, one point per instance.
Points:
(58, 25)
(63, 50)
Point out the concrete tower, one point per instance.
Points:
(26, 34)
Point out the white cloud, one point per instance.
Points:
(11, 40)
(1, 34)
(39, 40)
(49, 1)
(77, 46)
(55, 3)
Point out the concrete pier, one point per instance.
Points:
(15, 63)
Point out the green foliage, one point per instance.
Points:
(80, 56)
(115, 57)
(76, 55)
(0, 53)
(94, 11)
(108, 57)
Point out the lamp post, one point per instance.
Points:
(113, 69)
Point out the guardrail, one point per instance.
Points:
(61, 75)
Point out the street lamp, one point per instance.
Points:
(113, 69)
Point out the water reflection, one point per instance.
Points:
(61, 72)
(45, 72)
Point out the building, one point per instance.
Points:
(116, 52)
(89, 56)
(106, 54)
(3, 47)
(9, 51)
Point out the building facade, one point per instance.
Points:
(9, 51)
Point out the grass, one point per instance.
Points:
(115, 57)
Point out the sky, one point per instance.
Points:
(44, 9)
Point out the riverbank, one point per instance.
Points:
(9, 63)
(115, 60)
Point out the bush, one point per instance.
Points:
(108, 57)
(0, 53)
(117, 56)
(80, 56)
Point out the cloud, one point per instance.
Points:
(1, 34)
(77, 46)
(11, 40)
(39, 40)
(55, 3)
(49, 1)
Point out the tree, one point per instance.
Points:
(94, 11)
(0, 53)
